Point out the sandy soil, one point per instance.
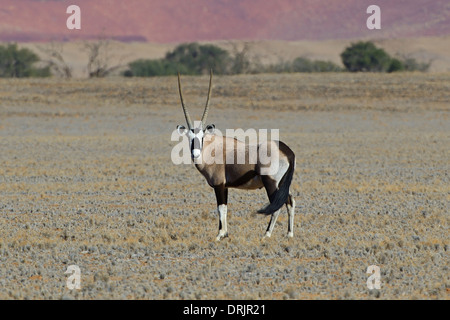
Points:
(86, 179)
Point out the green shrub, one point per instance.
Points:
(365, 56)
(301, 64)
(15, 63)
(325, 66)
(411, 64)
(280, 67)
(152, 68)
(199, 59)
(396, 65)
(191, 58)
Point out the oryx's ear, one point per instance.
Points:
(210, 128)
(181, 130)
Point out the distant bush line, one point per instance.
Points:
(197, 59)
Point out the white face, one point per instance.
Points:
(195, 136)
(195, 142)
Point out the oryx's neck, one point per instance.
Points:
(208, 150)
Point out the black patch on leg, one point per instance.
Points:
(268, 226)
(221, 194)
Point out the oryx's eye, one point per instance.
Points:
(181, 129)
(210, 128)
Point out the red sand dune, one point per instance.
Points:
(171, 21)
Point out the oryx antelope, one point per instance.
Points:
(222, 175)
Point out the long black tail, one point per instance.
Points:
(279, 197)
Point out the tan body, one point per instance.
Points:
(224, 170)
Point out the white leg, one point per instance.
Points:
(223, 231)
(272, 222)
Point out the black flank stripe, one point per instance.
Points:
(241, 180)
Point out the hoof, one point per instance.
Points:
(221, 236)
(290, 234)
(266, 236)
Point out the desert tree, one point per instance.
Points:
(101, 59)
(54, 56)
(240, 61)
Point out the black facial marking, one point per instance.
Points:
(195, 144)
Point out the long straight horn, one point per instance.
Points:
(205, 113)
(186, 113)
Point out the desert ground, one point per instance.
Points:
(86, 179)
